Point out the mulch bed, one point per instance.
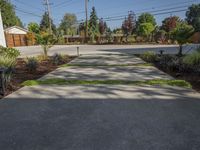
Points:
(22, 73)
(192, 78)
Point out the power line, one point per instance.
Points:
(26, 4)
(156, 14)
(26, 12)
(154, 11)
(62, 3)
(161, 6)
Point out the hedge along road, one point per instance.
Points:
(97, 49)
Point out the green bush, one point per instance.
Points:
(57, 59)
(8, 58)
(9, 52)
(149, 56)
(193, 59)
(31, 64)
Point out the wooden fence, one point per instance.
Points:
(15, 40)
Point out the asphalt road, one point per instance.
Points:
(100, 124)
(99, 49)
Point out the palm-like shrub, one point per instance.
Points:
(31, 64)
(8, 58)
(149, 56)
(57, 59)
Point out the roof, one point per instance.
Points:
(20, 28)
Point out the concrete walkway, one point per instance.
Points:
(101, 117)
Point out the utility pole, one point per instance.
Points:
(86, 14)
(49, 14)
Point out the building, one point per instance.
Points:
(16, 36)
(16, 30)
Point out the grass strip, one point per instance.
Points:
(57, 81)
(114, 65)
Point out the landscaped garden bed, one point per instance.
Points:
(23, 72)
(185, 67)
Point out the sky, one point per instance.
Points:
(32, 10)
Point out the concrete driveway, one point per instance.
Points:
(101, 117)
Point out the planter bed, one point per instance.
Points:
(22, 74)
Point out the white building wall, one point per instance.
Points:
(2, 36)
(15, 31)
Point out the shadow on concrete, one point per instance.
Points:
(108, 73)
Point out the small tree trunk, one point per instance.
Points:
(45, 51)
(180, 53)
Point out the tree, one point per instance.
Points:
(160, 35)
(193, 16)
(102, 26)
(82, 29)
(8, 14)
(129, 25)
(68, 23)
(145, 29)
(46, 40)
(34, 27)
(125, 28)
(93, 24)
(44, 24)
(146, 18)
(181, 34)
(170, 23)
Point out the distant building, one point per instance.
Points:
(17, 36)
(15, 30)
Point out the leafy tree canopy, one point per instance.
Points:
(34, 27)
(145, 29)
(146, 18)
(182, 33)
(68, 24)
(129, 24)
(170, 23)
(102, 26)
(8, 14)
(193, 16)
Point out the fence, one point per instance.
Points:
(15, 40)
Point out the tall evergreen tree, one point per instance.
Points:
(93, 24)
(8, 14)
(44, 24)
